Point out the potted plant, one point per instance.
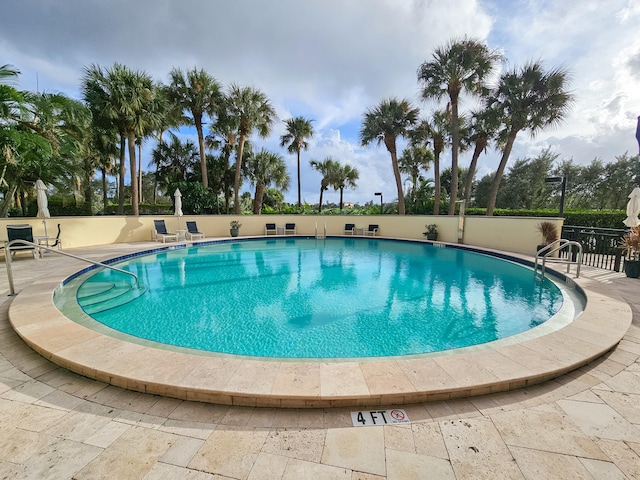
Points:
(549, 232)
(235, 228)
(630, 244)
(432, 232)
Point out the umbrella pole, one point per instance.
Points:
(45, 228)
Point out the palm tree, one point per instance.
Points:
(436, 131)
(198, 94)
(174, 161)
(248, 109)
(482, 128)
(40, 137)
(413, 160)
(223, 137)
(266, 168)
(328, 168)
(460, 65)
(298, 130)
(528, 98)
(391, 119)
(123, 99)
(345, 176)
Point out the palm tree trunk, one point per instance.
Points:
(203, 157)
(121, 178)
(104, 191)
(480, 146)
(493, 195)
(140, 171)
(391, 147)
(88, 197)
(341, 192)
(455, 145)
(6, 202)
(131, 142)
(320, 204)
(257, 200)
(299, 182)
(436, 178)
(236, 193)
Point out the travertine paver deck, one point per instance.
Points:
(246, 381)
(58, 424)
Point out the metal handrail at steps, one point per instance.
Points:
(39, 247)
(555, 247)
(321, 236)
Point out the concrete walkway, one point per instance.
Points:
(59, 425)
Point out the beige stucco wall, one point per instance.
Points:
(512, 234)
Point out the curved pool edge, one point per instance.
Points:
(314, 384)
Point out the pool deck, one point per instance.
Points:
(582, 424)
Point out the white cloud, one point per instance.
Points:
(330, 60)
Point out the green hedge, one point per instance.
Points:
(587, 218)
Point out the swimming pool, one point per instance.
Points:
(333, 298)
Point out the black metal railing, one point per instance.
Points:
(600, 246)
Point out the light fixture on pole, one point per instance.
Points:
(380, 193)
(563, 189)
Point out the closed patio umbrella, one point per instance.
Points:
(178, 205)
(43, 205)
(633, 209)
(638, 132)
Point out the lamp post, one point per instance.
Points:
(380, 193)
(563, 190)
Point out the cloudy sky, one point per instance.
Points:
(331, 60)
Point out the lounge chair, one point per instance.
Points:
(160, 232)
(289, 228)
(349, 228)
(192, 231)
(21, 232)
(372, 230)
(270, 228)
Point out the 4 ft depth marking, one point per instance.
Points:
(379, 417)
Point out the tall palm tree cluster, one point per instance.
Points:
(132, 107)
(64, 141)
(528, 98)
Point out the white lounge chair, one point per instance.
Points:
(160, 232)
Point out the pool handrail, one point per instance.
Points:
(555, 247)
(39, 249)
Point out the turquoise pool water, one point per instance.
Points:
(333, 298)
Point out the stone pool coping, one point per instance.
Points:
(244, 381)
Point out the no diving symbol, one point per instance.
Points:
(397, 415)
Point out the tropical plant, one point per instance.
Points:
(123, 99)
(174, 161)
(247, 109)
(436, 131)
(266, 168)
(415, 159)
(223, 136)
(549, 232)
(345, 177)
(40, 137)
(197, 93)
(432, 230)
(460, 65)
(390, 119)
(630, 244)
(528, 98)
(298, 130)
(235, 224)
(328, 168)
(482, 128)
